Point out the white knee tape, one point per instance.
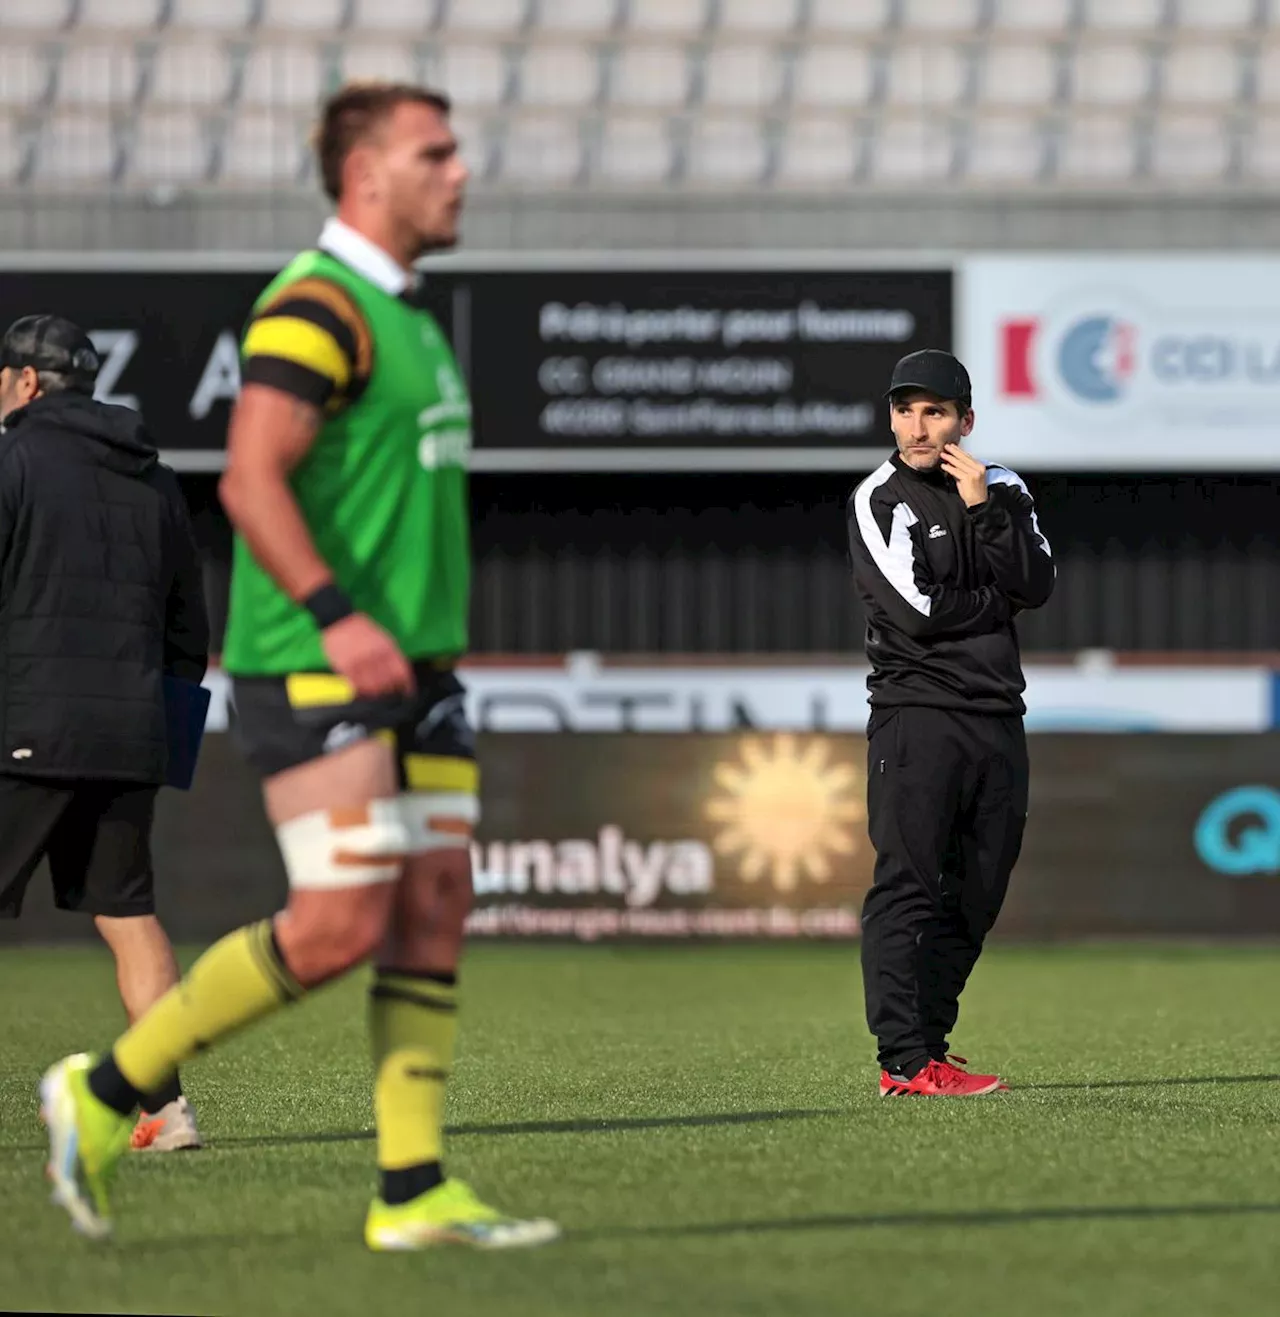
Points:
(439, 820)
(319, 854)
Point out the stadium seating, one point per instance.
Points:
(686, 94)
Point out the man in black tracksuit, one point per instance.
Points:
(101, 598)
(946, 550)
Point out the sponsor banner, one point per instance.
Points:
(1135, 835)
(686, 836)
(169, 340)
(584, 695)
(1238, 832)
(764, 835)
(664, 369)
(1123, 362)
(682, 360)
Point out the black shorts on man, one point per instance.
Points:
(282, 722)
(96, 836)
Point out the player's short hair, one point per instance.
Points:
(356, 111)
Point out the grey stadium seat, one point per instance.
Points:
(291, 76)
(635, 149)
(169, 147)
(830, 75)
(191, 72)
(215, 15)
(745, 76)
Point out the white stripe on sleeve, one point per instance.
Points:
(1001, 475)
(895, 556)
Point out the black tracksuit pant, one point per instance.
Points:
(946, 804)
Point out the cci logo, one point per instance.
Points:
(1239, 832)
(1095, 358)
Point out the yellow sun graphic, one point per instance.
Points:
(785, 810)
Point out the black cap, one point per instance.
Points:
(54, 344)
(934, 371)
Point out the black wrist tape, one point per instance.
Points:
(328, 605)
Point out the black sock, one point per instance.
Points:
(111, 1088)
(162, 1096)
(910, 1069)
(400, 1186)
(447, 977)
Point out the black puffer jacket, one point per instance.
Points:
(100, 593)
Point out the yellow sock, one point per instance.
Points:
(412, 1023)
(235, 982)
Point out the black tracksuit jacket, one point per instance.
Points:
(941, 583)
(101, 593)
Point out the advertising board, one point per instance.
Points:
(710, 836)
(673, 836)
(628, 369)
(1123, 363)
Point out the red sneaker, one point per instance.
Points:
(939, 1079)
(959, 1063)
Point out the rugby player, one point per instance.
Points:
(346, 484)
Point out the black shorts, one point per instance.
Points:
(281, 722)
(96, 835)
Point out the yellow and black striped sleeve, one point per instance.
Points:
(312, 342)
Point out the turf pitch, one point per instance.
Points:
(705, 1125)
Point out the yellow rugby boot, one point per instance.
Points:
(86, 1141)
(450, 1214)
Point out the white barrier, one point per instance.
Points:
(585, 694)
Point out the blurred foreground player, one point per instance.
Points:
(946, 550)
(100, 599)
(346, 482)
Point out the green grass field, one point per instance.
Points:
(706, 1126)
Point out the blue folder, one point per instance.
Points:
(186, 706)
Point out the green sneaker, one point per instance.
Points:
(450, 1214)
(86, 1141)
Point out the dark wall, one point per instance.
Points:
(757, 563)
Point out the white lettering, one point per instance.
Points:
(578, 868)
(446, 448)
(221, 378)
(747, 375)
(489, 877)
(117, 347)
(758, 327)
(611, 877)
(784, 418)
(853, 326)
(559, 375)
(690, 871)
(588, 322)
(640, 375)
(684, 375)
(530, 865)
(644, 866)
(615, 323)
(451, 409)
(637, 872)
(584, 417)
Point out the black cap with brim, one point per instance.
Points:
(53, 344)
(932, 371)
